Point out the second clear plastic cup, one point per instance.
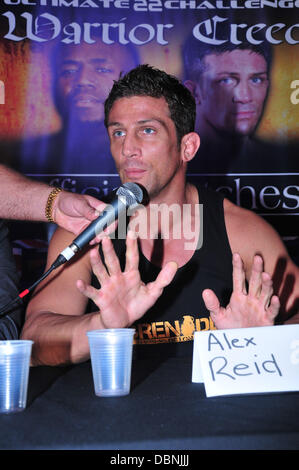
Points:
(111, 360)
(14, 371)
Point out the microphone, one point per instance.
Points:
(128, 196)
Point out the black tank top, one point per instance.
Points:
(168, 327)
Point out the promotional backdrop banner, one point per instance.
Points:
(58, 60)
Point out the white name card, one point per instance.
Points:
(247, 360)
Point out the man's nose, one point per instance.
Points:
(84, 77)
(130, 147)
(242, 92)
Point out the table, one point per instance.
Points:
(164, 410)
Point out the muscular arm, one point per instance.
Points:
(22, 198)
(249, 235)
(55, 318)
(25, 199)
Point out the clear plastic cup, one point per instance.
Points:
(111, 360)
(14, 372)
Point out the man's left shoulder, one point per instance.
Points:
(236, 213)
(250, 234)
(245, 222)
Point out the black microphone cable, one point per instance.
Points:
(18, 300)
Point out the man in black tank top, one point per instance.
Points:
(202, 263)
(180, 309)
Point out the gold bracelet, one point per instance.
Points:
(49, 206)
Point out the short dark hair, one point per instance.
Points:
(146, 80)
(194, 52)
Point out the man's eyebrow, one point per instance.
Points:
(146, 121)
(260, 73)
(69, 62)
(96, 60)
(230, 72)
(114, 123)
(140, 122)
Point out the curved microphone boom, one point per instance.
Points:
(128, 196)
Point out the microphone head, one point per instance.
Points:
(132, 192)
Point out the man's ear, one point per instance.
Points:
(189, 145)
(192, 87)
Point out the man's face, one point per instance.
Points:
(143, 142)
(232, 91)
(85, 75)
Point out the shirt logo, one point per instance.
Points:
(171, 332)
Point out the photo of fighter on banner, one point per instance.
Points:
(59, 59)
